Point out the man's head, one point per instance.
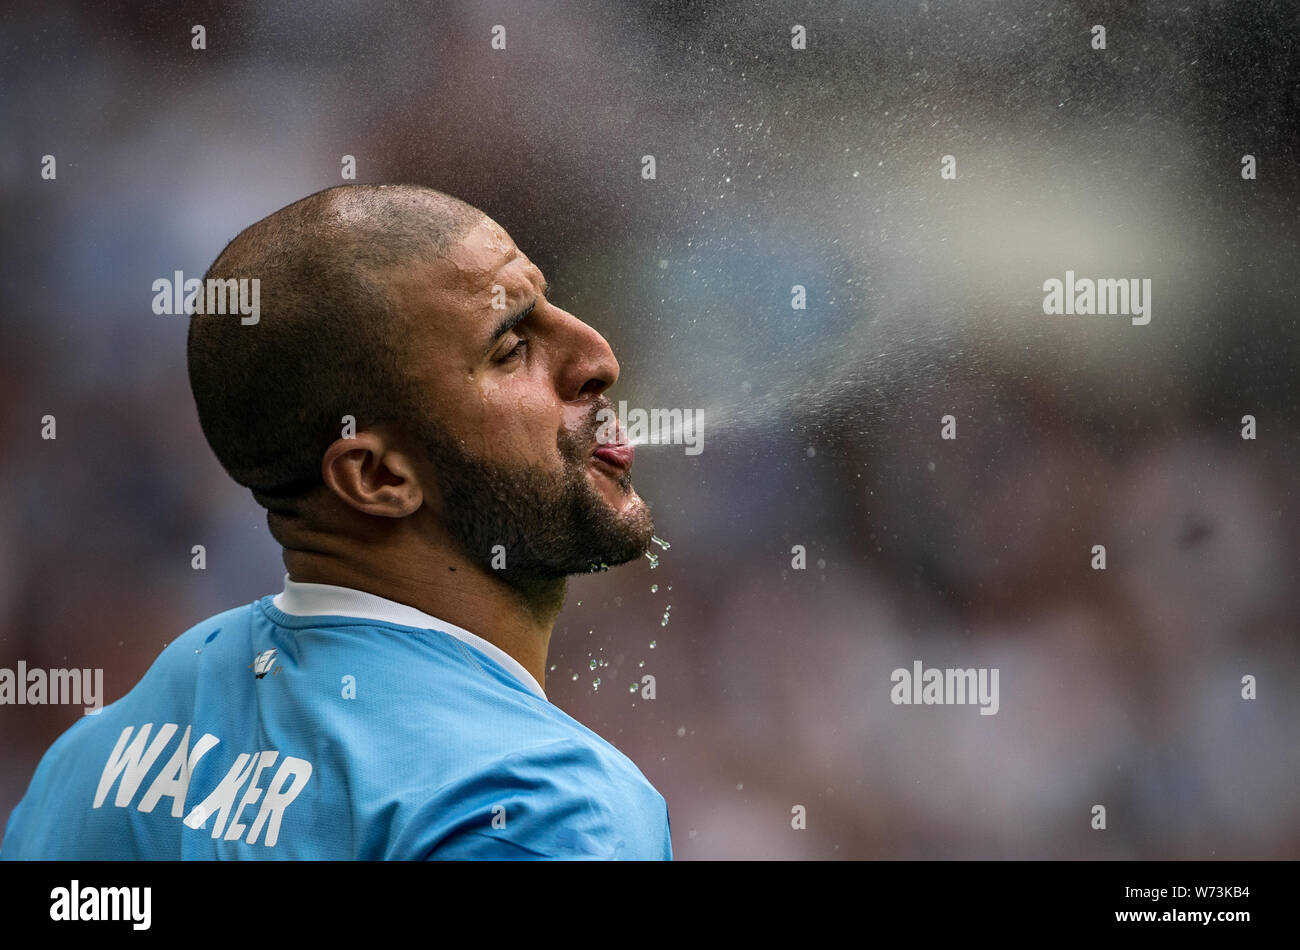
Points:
(474, 398)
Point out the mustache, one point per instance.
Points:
(575, 444)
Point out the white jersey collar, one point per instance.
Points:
(320, 600)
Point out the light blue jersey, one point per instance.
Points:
(329, 723)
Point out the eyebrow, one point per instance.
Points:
(505, 325)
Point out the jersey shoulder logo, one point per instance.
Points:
(263, 663)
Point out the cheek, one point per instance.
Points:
(517, 422)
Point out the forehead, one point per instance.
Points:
(483, 257)
(448, 299)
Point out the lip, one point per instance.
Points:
(617, 452)
(618, 455)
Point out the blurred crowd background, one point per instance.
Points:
(775, 167)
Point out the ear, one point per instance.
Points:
(368, 474)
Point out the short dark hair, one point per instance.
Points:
(328, 342)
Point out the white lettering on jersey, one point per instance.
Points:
(132, 762)
(174, 779)
(129, 764)
(222, 798)
(278, 798)
(250, 796)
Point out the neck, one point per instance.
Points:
(442, 583)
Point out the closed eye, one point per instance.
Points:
(516, 351)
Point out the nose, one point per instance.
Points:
(589, 366)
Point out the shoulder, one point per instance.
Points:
(571, 797)
(211, 634)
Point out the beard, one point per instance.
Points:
(550, 524)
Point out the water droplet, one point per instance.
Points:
(632, 688)
(652, 644)
(664, 622)
(661, 542)
(654, 560)
(592, 665)
(575, 677)
(641, 664)
(552, 667)
(595, 684)
(654, 588)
